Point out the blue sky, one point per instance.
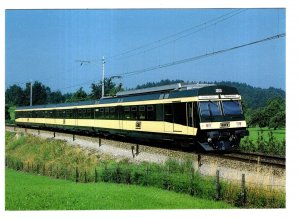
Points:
(44, 45)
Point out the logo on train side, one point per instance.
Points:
(138, 124)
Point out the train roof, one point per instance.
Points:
(172, 91)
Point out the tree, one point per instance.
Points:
(272, 116)
(13, 95)
(79, 95)
(55, 97)
(110, 88)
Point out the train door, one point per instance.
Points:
(190, 118)
(169, 117)
(75, 117)
(120, 116)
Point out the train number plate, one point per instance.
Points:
(224, 125)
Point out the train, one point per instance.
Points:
(208, 117)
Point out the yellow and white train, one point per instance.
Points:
(204, 115)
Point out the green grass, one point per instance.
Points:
(31, 192)
(278, 133)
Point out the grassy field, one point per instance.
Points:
(31, 192)
(264, 140)
(278, 133)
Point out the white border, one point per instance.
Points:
(292, 89)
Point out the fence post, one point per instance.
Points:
(192, 192)
(99, 141)
(50, 170)
(76, 175)
(96, 175)
(132, 150)
(65, 173)
(137, 150)
(218, 187)
(38, 131)
(199, 161)
(54, 134)
(73, 137)
(243, 191)
(44, 169)
(56, 172)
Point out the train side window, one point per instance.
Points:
(180, 113)
(97, 113)
(159, 112)
(79, 114)
(168, 109)
(112, 113)
(106, 112)
(150, 112)
(88, 113)
(102, 113)
(127, 113)
(142, 113)
(133, 112)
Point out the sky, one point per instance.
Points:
(49, 45)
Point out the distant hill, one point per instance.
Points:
(254, 97)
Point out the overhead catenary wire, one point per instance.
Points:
(200, 56)
(160, 41)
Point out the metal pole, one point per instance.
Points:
(30, 93)
(103, 62)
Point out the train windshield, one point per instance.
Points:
(210, 108)
(232, 108)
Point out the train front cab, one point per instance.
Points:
(221, 123)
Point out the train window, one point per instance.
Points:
(79, 114)
(210, 108)
(88, 113)
(180, 113)
(232, 108)
(97, 113)
(159, 112)
(168, 109)
(127, 113)
(112, 113)
(142, 113)
(106, 113)
(133, 112)
(150, 112)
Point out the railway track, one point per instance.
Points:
(254, 158)
(247, 157)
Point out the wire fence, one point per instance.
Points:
(172, 177)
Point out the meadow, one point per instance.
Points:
(57, 159)
(265, 140)
(32, 192)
